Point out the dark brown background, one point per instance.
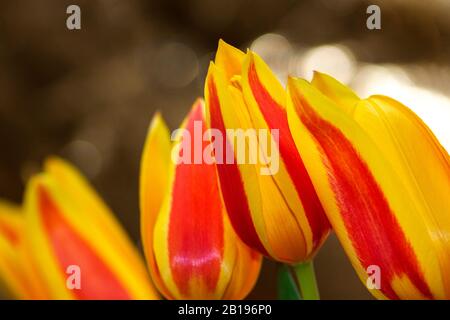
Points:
(88, 95)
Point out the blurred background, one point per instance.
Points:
(88, 95)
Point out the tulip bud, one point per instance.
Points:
(191, 248)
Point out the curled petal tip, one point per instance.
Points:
(52, 160)
(223, 46)
(229, 59)
(318, 74)
(199, 103)
(156, 122)
(342, 95)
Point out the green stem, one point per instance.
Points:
(306, 278)
(287, 285)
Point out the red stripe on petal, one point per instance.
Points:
(231, 182)
(371, 225)
(276, 118)
(97, 280)
(10, 233)
(196, 234)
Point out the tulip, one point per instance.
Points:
(190, 246)
(17, 269)
(278, 214)
(80, 250)
(384, 181)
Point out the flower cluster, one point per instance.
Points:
(368, 169)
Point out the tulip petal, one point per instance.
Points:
(11, 222)
(70, 226)
(422, 164)
(414, 152)
(265, 99)
(245, 273)
(360, 192)
(342, 95)
(191, 242)
(17, 266)
(404, 139)
(250, 213)
(65, 242)
(11, 269)
(10, 275)
(229, 59)
(155, 166)
(75, 186)
(239, 185)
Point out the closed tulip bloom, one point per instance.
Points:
(80, 249)
(275, 211)
(384, 181)
(17, 269)
(190, 246)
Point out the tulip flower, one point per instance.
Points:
(190, 246)
(17, 269)
(279, 214)
(80, 250)
(384, 181)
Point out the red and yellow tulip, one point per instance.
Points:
(190, 246)
(68, 225)
(279, 214)
(384, 181)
